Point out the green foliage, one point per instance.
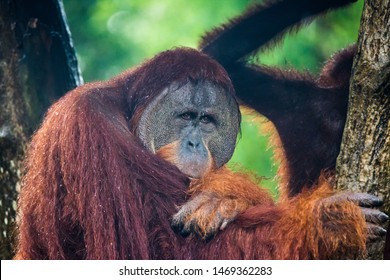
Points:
(113, 35)
(308, 49)
(254, 153)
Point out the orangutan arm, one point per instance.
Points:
(216, 199)
(323, 224)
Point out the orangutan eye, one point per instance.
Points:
(188, 116)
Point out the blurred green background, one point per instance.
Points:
(113, 35)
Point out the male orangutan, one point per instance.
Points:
(113, 160)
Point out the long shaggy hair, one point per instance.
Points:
(91, 191)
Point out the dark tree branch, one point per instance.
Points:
(364, 162)
(37, 66)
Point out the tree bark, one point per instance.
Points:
(364, 162)
(37, 66)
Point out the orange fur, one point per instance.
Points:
(268, 128)
(283, 173)
(230, 194)
(313, 225)
(231, 184)
(170, 151)
(301, 232)
(308, 224)
(224, 193)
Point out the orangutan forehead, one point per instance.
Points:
(196, 94)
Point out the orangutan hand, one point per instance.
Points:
(206, 214)
(375, 219)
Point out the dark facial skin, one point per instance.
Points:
(200, 118)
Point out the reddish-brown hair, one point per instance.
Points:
(91, 191)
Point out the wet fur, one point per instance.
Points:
(91, 191)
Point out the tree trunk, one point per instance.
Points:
(37, 66)
(364, 162)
